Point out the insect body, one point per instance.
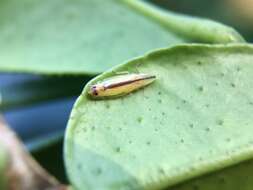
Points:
(120, 85)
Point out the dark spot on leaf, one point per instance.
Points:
(159, 93)
(191, 125)
(160, 101)
(228, 139)
(184, 101)
(233, 85)
(117, 149)
(207, 129)
(139, 119)
(220, 122)
(199, 63)
(201, 88)
(93, 128)
(182, 140)
(222, 74)
(97, 171)
(148, 143)
(161, 171)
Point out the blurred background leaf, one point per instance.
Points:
(236, 13)
(90, 36)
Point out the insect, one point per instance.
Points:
(120, 85)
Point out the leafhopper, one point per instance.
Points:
(120, 85)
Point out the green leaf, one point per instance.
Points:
(196, 118)
(232, 178)
(90, 36)
(192, 28)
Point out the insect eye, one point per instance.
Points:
(94, 91)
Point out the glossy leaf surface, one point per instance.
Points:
(196, 118)
(90, 36)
